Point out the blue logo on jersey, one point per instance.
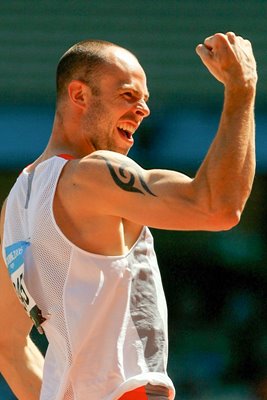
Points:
(15, 255)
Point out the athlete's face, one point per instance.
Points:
(117, 111)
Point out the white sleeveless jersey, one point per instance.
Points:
(106, 316)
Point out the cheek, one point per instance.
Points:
(106, 116)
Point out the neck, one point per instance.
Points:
(67, 138)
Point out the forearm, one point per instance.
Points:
(22, 367)
(227, 173)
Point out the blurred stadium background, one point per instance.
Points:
(215, 283)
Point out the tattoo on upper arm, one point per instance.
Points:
(125, 178)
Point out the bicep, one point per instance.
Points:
(107, 183)
(165, 200)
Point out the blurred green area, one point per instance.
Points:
(163, 34)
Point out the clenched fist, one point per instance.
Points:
(230, 59)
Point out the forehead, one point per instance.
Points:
(124, 71)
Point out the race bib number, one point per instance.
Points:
(15, 258)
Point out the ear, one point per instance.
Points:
(79, 94)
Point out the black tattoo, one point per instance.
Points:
(125, 179)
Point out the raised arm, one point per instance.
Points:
(21, 363)
(229, 167)
(107, 183)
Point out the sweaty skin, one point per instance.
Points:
(213, 200)
(103, 198)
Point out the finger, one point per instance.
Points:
(231, 37)
(209, 42)
(203, 51)
(238, 40)
(213, 41)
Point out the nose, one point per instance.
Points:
(142, 109)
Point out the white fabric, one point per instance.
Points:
(106, 315)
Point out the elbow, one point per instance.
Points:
(231, 220)
(225, 213)
(225, 220)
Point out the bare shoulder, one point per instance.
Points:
(108, 160)
(105, 172)
(104, 183)
(97, 161)
(116, 170)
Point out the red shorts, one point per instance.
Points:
(137, 394)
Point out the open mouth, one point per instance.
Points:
(125, 133)
(126, 130)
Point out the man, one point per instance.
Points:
(75, 236)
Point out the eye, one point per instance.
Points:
(128, 95)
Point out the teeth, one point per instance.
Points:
(127, 127)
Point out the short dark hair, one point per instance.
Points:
(82, 62)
